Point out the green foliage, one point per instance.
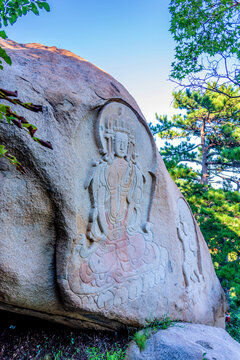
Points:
(116, 353)
(217, 212)
(12, 118)
(203, 27)
(58, 355)
(233, 327)
(5, 57)
(12, 159)
(140, 339)
(162, 324)
(141, 336)
(210, 132)
(10, 11)
(207, 35)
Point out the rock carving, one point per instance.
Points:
(94, 247)
(188, 237)
(116, 260)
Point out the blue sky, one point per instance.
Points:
(128, 39)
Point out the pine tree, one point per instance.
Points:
(210, 134)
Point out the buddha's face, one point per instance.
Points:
(121, 144)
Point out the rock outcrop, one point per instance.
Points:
(187, 342)
(95, 234)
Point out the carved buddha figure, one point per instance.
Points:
(119, 176)
(119, 247)
(116, 185)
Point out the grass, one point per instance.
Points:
(94, 353)
(140, 339)
(162, 324)
(141, 336)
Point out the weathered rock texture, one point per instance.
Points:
(96, 233)
(187, 342)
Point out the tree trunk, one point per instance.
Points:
(238, 186)
(204, 179)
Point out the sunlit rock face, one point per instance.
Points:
(95, 234)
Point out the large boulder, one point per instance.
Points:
(187, 342)
(96, 233)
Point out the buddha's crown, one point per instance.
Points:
(119, 123)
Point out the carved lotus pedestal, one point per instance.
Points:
(96, 234)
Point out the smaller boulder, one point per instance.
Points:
(185, 341)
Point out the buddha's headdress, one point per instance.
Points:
(118, 122)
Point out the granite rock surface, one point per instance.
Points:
(95, 234)
(187, 342)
